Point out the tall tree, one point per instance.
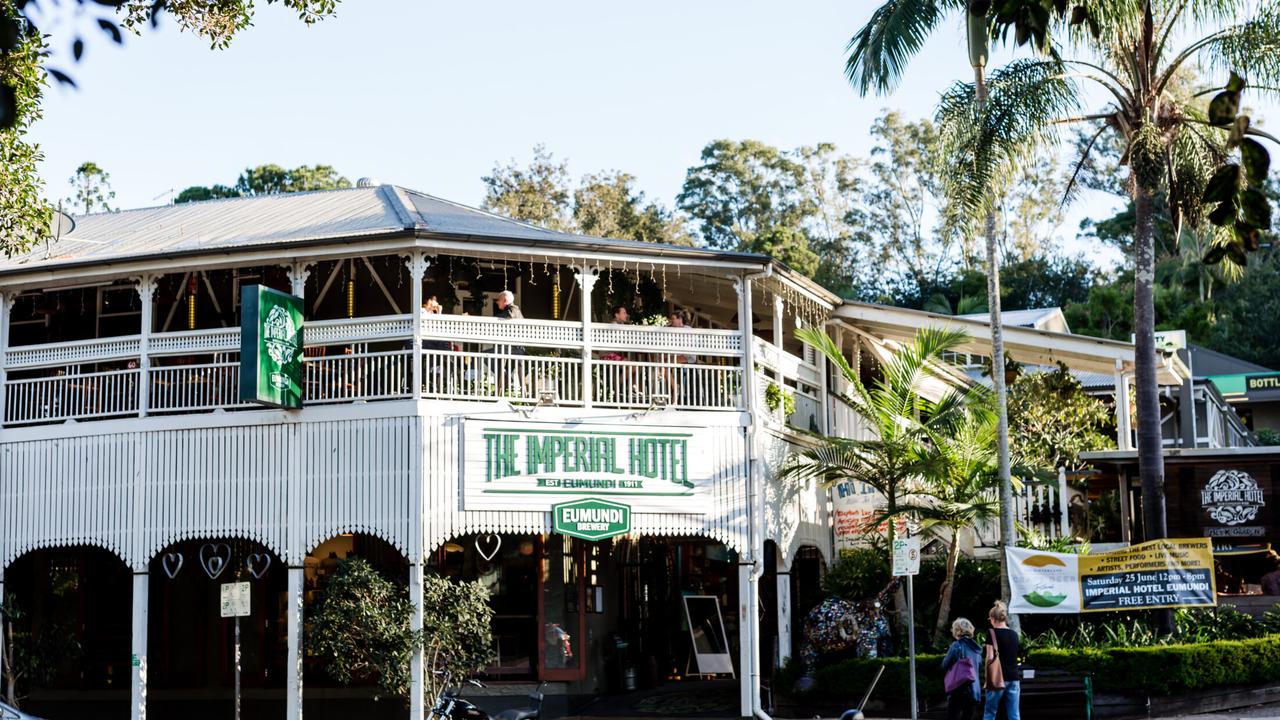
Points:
(273, 179)
(742, 189)
(537, 194)
(91, 189)
(878, 54)
(24, 214)
(24, 59)
(1133, 53)
(269, 179)
(900, 243)
(608, 205)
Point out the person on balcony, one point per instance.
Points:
(433, 307)
(507, 308)
(619, 315)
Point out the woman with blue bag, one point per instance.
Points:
(961, 667)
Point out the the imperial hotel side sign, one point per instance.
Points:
(270, 347)
(535, 465)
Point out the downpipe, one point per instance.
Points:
(755, 491)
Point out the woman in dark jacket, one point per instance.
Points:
(1003, 642)
(963, 700)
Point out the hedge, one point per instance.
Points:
(1159, 670)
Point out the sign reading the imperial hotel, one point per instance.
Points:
(512, 465)
(270, 347)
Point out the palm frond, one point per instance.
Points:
(880, 50)
(1251, 49)
(981, 147)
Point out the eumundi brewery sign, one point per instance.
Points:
(533, 465)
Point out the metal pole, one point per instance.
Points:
(237, 668)
(911, 642)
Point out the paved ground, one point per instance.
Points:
(1270, 711)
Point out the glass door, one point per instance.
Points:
(561, 600)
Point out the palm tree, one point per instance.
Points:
(901, 418)
(960, 489)
(1173, 146)
(878, 55)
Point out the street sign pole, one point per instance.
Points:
(238, 671)
(905, 560)
(234, 603)
(911, 642)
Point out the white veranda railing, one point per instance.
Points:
(364, 359)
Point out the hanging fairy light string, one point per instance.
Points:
(532, 281)
(191, 302)
(809, 310)
(351, 289)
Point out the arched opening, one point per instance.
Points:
(191, 646)
(71, 609)
(600, 617)
(769, 641)
(324, 697)
(808, 568)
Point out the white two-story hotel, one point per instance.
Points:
(135, 482)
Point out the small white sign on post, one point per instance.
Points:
(235, 600)
(906, 556)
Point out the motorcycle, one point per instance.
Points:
(452, 706)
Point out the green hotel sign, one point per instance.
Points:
(591, 519)
(533, 465)
(270, 347)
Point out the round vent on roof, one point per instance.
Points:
(367, 182)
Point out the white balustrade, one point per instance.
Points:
(450, 375)
(205, 386)
(358, 376)
(365, 329)
(64, 397)
(71, 353)
(625, 383)
(350, 360)
(468, 328)
(195, 342)
(696, 341)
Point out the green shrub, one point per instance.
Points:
(1127, 631)
(1159, 670)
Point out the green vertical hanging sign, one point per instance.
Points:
(270, 347)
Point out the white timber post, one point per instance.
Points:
(296, 546)
(779, 336)
(418, 263)
(417, 704)
(293, 669)
(784, 609)
(1124, 435)
(746, 664)
(2, 605)
(146, 287)
(138, 662)
(1064, 517)
(6, 304)
(586, 278)
(298, 273)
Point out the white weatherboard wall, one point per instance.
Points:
(722, 449)
(288, 481)
(291, 480)
(797, 513)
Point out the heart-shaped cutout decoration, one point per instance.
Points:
(215, 557)
(172, 564)
(488, 546)
(257, 564)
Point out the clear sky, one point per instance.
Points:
(429, 95)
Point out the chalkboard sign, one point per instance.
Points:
(706, 632)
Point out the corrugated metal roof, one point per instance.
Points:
(1021, 318)
(214, 225)
(266, 220)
